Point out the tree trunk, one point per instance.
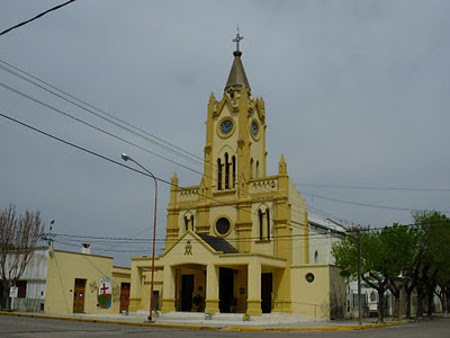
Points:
(430, 309)
(397, 305)
(408, 304)
(420, 298)
(380, 304)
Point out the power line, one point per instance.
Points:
(59, 111)
(373, 187)
(36, 17)
(17, 74)
(121, 121)
(364, 204)
(230, 204)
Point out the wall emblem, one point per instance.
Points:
(104, 293)
(188, 248)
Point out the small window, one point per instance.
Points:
(227, 172)
(223, 226)
(316, 257)
(22, 289)
(219, 174)
(310, 277)
(233, 159)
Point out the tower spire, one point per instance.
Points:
(237, 77)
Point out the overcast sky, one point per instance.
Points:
(356, 92)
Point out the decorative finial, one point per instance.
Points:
(237, 39)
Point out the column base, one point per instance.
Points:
(212, 306)
(168, 305)
(135, 304)
(254, 307)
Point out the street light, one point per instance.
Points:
(125, 157)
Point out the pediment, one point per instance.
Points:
(189, 247)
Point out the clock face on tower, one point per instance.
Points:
(226, 127)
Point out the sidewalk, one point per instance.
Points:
(194, 320)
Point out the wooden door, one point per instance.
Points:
(266, 292)
(124, 297)
(78, 295)
(187, 290)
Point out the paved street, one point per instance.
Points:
(35, 327)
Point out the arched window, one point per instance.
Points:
(261, 226)
(219, 174)
(268, 223)
(316, 257)
(189, 222)
(227, 172)
(234, 170)
(251, 168)
(257, 169)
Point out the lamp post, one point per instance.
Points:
(125, 157)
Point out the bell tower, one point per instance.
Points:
(235, 134)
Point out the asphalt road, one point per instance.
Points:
(11, 326)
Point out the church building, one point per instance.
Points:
(240, 241)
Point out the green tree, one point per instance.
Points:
(372, 261)
(401, 249)
(435, 265)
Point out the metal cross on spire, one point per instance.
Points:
(237, 39)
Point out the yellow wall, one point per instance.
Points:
(317, 299)
(64, 267)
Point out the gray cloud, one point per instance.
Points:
(356, 94)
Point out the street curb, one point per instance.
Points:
(212, 328)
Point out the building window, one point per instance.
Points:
(264, 224)
(223, 226)
(186, 223)
(219, 174)
(257, 169)
(261, 226)
(310, 277)
(227, 172)
(316, 257)
(22, 289)
(189, 222)
(251, 168)
(234, 170)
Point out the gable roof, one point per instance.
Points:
(218, 244)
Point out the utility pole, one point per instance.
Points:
(358, 248)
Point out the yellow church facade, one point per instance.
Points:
(240, 240)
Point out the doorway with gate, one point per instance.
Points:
(79, 295)
(124, 297)
(187, 291)
(226, 290)
(266, 292)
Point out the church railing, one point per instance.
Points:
(188, 193)
(263, 185)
